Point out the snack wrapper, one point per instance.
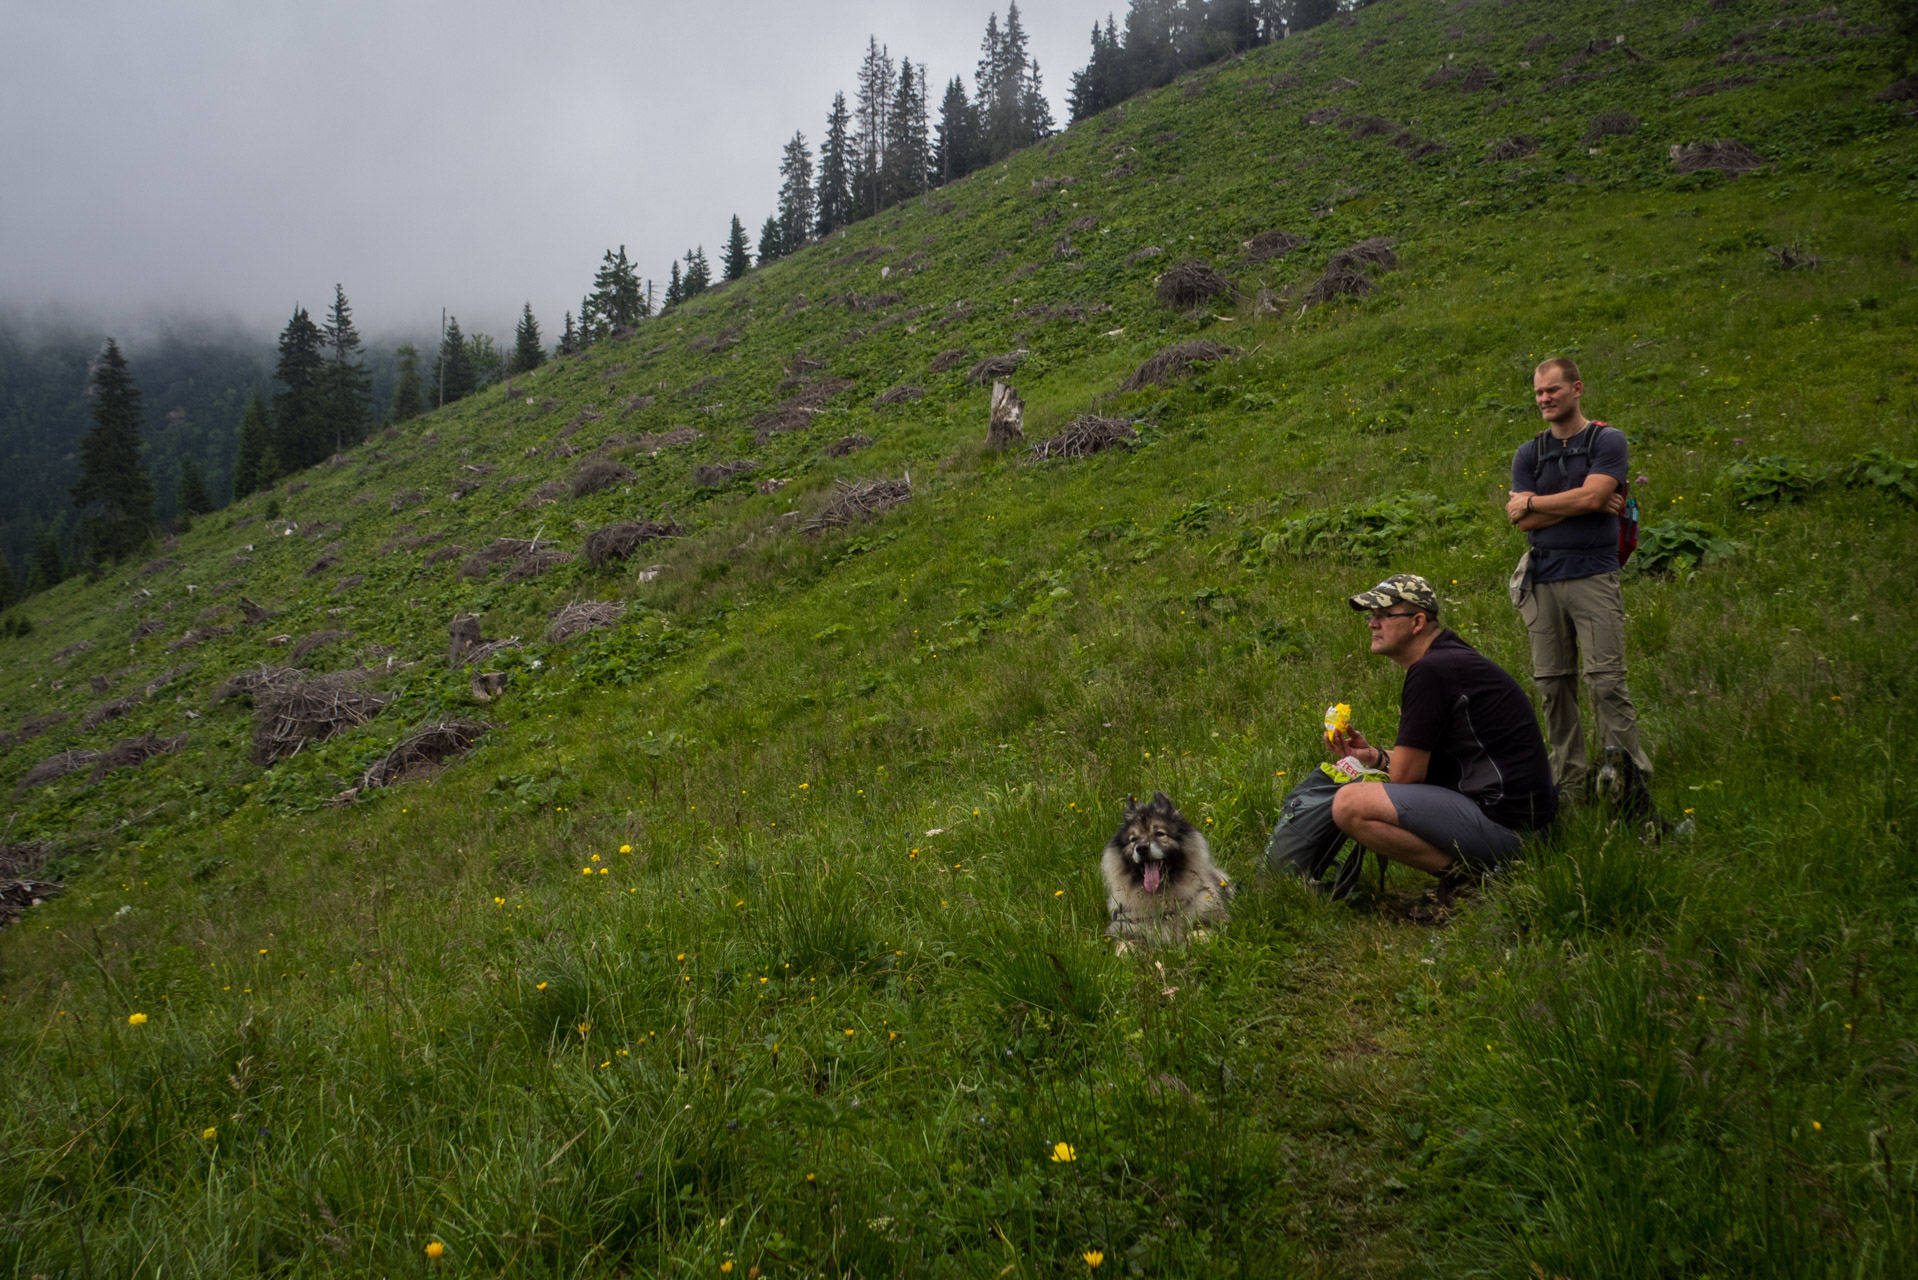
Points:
(1338, 719)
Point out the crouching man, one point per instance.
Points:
(1469, 771)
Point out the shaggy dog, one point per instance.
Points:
(1160, 877)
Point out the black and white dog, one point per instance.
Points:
(1160, 879)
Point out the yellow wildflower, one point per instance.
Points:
(1062, 1153)
(435, 1250)
(1093, 1258)
(209, 1133)
(136, 1019)
(626, 848)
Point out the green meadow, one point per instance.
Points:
(761, 931)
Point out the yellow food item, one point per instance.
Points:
(1338, 719)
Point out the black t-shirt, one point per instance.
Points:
(1471, 715)
(1578, 546)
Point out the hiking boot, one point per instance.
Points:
(1441, 901)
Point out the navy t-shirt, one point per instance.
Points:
(1581, 546)
(1478, 724)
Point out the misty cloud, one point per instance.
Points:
(228, 159)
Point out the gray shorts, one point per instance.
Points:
(1451, 821)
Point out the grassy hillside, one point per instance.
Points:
(761, 928)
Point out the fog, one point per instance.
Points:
(215, 163)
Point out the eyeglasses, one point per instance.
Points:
(1381, 615)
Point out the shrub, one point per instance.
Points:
(1678, 546)
(1766, 481)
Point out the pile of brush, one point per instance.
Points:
(1727, 155)
(1085, 436)
(1192, 283)
(423, 751)
(1176, 361)
(618, 541)
(580, 617)
(291, 708)
(1347, 271)
(860, 501)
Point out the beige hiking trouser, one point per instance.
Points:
(1578, 626)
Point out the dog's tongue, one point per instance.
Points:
(1153, 872)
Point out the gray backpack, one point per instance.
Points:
(1307, 841)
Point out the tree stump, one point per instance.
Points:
(1007, 427)
(463, 634)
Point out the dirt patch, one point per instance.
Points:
(1085, 436)
(1176, 361)
(898, 395)
(71, 651)
(1442, 77)
(947, 360)
(1479, 78)
(401, 501)
(549, 492)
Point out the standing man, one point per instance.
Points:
(1469, 771)
(1566, 495)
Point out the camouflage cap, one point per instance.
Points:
(1407, 588)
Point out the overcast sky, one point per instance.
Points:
(222, 160)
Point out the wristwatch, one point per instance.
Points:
(1528, 504)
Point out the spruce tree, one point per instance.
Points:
(528, 352)
(348, 388)
(591, 328)
(255, 464)
(453, 370)
(303, 436)
(772, 243)
(407, 391)
(114, 489)
(956, 145)
(796, 211)
(193, 499)
(568, 338)
(833, 198)
(872, 110)
(617, 300)
(906, 153)
(10, 589)
(48, 568)
(739, 251)
(675, 288)
(699, 273)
